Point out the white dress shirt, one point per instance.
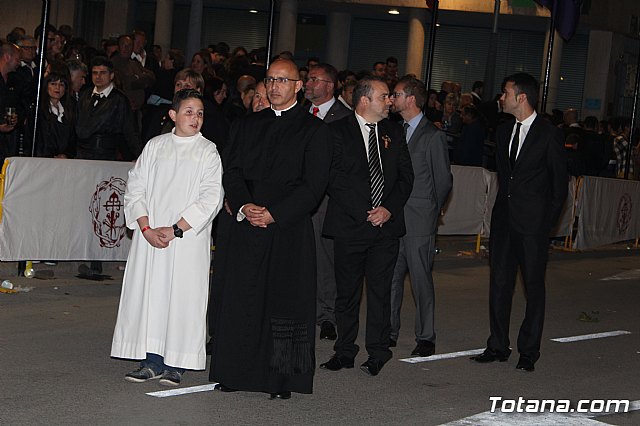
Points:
(365, 135)
(323, 108)
(524, 129)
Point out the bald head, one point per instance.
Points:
(282, 82)
(287, 65)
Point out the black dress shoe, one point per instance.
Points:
(281, 395)
(393, 343)
(327, 331)
(337, 363)
(489, 356)
(424, 348)
(222, 388)
(372, 366)
(525, 364)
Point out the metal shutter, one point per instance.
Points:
(572, 71)
(375, 40)
(235, 27)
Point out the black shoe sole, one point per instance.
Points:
(282, 395)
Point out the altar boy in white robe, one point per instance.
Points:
(173, 193)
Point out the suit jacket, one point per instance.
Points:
(433, 180)
(336, 112)
(532, 193)
(349, 187)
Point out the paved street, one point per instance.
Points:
(55, 343)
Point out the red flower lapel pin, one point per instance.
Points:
(387, 140)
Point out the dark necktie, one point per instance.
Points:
(96, 98)
(406, 130)
(514, 145)
(315, 111)
(375, 169)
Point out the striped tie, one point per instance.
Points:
(375, 169)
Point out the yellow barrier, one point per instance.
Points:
(2, 176)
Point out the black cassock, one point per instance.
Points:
(264, 283)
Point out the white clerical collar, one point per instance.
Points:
(323, 108)
(280, 111)
(105, 93)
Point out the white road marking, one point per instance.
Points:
(183, 391)
(626, 275)
(591, 336)
(418, 359)
(515, 419)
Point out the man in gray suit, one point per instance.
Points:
(429, 157)
(319, 89)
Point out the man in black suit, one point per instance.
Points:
(319, 89)
(370, 182)
(532, 179)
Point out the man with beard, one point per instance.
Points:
(276, 172)
(319, 90)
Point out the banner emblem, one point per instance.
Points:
(625, 208)
(107, 212)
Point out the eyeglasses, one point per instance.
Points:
(316, 79)
(279, 80)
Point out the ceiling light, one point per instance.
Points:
(393, 12)
(253, 11)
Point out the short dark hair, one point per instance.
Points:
(527, 84)
(477, 85)
(344, 74)
(591, 123)
(378, 63)
(183, 95)
(365, 88)
(392, 59)
(416, 88)
(101, 61)
(329, 70)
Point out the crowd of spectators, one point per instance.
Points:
(230, 82)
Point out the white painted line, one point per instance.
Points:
(591, 336)
(183, 391)
(515, 419)
(626, 275)
(523, 419)
(418, 359)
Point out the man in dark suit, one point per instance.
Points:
(371, 179)
(430, 159)
(532, 179)
(319, 89)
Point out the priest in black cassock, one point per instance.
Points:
(276, 172)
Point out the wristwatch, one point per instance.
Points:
(177, 232)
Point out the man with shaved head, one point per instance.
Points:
(264, 287)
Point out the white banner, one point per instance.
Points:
(63, 210)
(465, 210)
(468, 210)
(567, 217)
(607, 211)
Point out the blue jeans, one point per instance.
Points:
(156, 363)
